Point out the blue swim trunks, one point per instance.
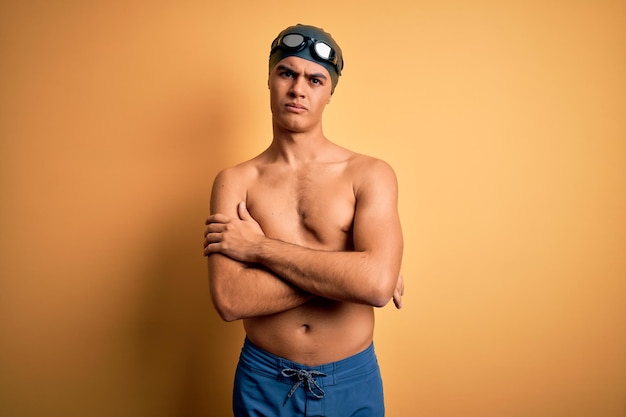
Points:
(267, 385)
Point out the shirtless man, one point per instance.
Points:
(303, 242)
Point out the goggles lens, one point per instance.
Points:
(322, 49)
(292, 40)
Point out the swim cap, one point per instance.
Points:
(314, 46)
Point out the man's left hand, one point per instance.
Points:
(399, 292)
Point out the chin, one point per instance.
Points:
(293, 127)
(296, 129)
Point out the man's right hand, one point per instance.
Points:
(236, 238)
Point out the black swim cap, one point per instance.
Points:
(312, 35)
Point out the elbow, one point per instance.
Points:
(222, 295)
(382, 290)
(225, 308)
(379, 303)
(382, 274)
(380, 300)
(226, 313)
(229, 317)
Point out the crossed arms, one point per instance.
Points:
(252, 275)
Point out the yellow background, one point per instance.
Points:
(505, 123)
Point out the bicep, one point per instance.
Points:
(228, 190)
(377, 223)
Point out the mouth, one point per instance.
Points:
(295, 107)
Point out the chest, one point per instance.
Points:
(312, 207)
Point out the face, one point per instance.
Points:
(299, 92)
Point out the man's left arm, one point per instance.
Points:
(367, 275)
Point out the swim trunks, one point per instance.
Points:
(267, 385)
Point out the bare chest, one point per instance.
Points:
(314, 208)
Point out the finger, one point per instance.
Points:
(243, 212)
(211, 248)
(215, 228)
(397, 301)
(398, 292)
(217, 218)
(400, 284)
(213, 242)
(400, 289)
(212, 238)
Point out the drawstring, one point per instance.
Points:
(306, 378)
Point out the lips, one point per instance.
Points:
(295, 107)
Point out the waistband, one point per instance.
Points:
(355, 366)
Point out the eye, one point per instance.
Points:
(288, 74)
(317, 81)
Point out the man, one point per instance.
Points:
(303, 242)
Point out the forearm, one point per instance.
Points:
(239, 291)
(352, 276)
(367, 273)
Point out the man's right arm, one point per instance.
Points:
(239, 290)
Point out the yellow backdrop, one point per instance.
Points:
(505, 122)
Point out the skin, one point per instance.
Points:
(305, 239)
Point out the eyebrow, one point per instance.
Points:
(283, 67)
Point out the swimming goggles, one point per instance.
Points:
(319, 49)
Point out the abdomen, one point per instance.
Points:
(318, 332)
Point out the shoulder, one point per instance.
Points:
(231, 185)
(375, 188)
(360, 161)
(363, 166)
(368, 171)
(239, 174)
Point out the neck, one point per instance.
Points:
(295, 147)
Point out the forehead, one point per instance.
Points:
(302, 65)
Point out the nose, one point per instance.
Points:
(297, 87)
